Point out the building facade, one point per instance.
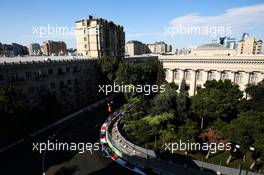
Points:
(249, 45)
(169, 48)
(54, 48)
(73, 80)
(191, 72)
(11, 50)
(34, 49)
(228, 42)
(158, 47)
(97, 37)
(134, 47)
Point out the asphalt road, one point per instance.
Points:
(22, 160)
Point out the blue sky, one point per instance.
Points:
(147, 20)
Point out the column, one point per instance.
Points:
(167, 75)
(192, 83)
(259, 77)
(245, 80)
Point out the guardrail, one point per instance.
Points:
(147, 153)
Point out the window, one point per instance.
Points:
(85, 46)
(1, 77)
(60, 72)
(52, 85)
(238, 77)
(50, 71)
(211, 75)
(187, 75)
(69, 81)
(85, 39)
(67, 69)
(28, 75)
(61, 84)
(224, 75)
(14, 77)
(199, 75)
(253, 78)
(187, 87)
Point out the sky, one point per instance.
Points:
(185, 23)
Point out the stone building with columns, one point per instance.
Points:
(190, 72)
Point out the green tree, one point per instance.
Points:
(188, 131)
(218, 100)
(165, 102)
(147, 72)
(158, 124)
(136, 108)
(247, 130)
(256, 93)
(109, 66)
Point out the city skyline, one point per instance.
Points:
(238, 16)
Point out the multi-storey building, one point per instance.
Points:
(190, 72)
(169, 48)
(54, 48)
(249, 45)
(158, 47)
(134, 47)
(228, 42)
(73, 80)
(13, 50)
(97, 37)
(34, 49)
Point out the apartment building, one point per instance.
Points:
(249, 45)
(73, 80)
(54, 48)
(11, 50)
(34, 49)
(134, 47)
(97, 37)
(158, 47)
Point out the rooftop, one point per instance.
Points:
(38, 58)
(211, 46)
